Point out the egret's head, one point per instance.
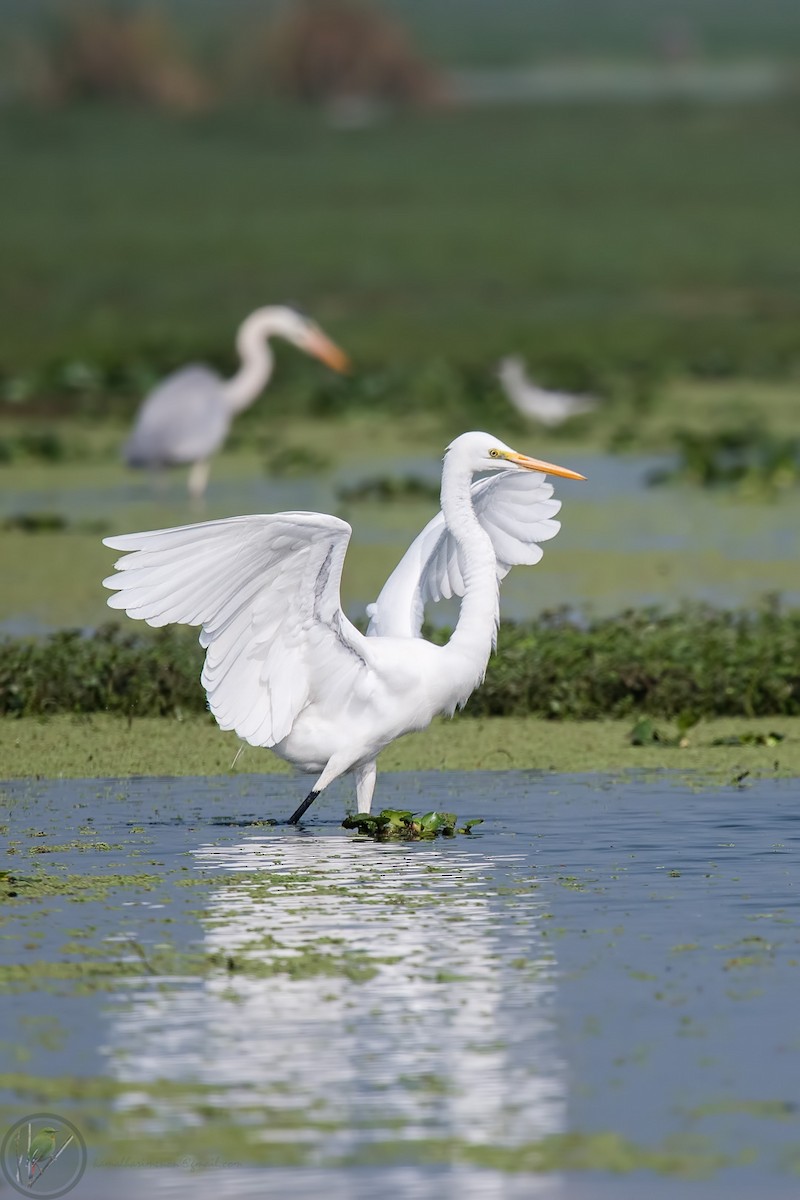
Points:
(482, 452)
(300, 330)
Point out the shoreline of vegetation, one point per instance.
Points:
(692, 664)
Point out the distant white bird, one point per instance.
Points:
(186, 418)
(284, 666)
(538, 403)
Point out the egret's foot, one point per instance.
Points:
(298, 812)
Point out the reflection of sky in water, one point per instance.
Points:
(604, 955)
(452, 1036)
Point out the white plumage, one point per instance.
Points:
(186, 418)
(284, 666)
(514, 509)
(548, 407)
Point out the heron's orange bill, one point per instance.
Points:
(329, 352)
(535, 464)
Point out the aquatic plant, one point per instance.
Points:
(386, 488)
(749, 457)
(697, 660)
(50, 522)
(402, 825)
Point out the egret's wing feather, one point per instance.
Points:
(184, 419)
(265, 590)
(515, 508)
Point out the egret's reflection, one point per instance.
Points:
(420, 1002)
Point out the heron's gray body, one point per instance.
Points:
(184, 419)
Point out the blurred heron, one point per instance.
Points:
(186, 418)
(538, 403)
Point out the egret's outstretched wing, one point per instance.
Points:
(185, 418)
(265, 590)
(515, 509)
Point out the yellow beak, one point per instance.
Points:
(323, 348)
(535, 464)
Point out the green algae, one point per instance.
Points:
(79, 888)
(680, 1155)
(109, 746)
(204, 1129)
(774, 1110)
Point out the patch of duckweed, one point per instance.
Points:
(306, 963)
(105, 745)
(99, 969)
(66, 847)
(681, 1155)
(206, 1133)
(774, 1110)
(78, 888)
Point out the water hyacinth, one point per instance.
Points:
(402, 825)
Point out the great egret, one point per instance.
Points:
(284, 666)
(186, 418)
(538, 403)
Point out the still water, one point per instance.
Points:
(592, 995)
(621, 543)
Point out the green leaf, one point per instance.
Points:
(644, 733)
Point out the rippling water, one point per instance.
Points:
(615, 960)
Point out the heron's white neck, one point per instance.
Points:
(257, 362)
(474, 636)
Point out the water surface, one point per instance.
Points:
(609, 959)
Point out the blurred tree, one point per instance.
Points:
(99, 52)
(324, 51)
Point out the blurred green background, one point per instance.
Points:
(609, 188)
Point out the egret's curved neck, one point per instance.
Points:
(473, 638)
(257, 361)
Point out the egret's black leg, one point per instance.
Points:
(298, 812)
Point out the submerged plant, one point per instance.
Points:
(402, 825)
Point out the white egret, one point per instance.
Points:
(284, 666)
(537, 403)
(186, 418)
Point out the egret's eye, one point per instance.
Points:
(494, 454)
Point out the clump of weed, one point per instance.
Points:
(387, 488)
(750, 459)
(697, 660)
(402, 825)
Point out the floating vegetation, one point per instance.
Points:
(771, 738)
(749, 458)
(386, 488)
(295, 460)
(402, 825)
(35, 522)
(645, 732)
(44, 445)
(50, 522)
